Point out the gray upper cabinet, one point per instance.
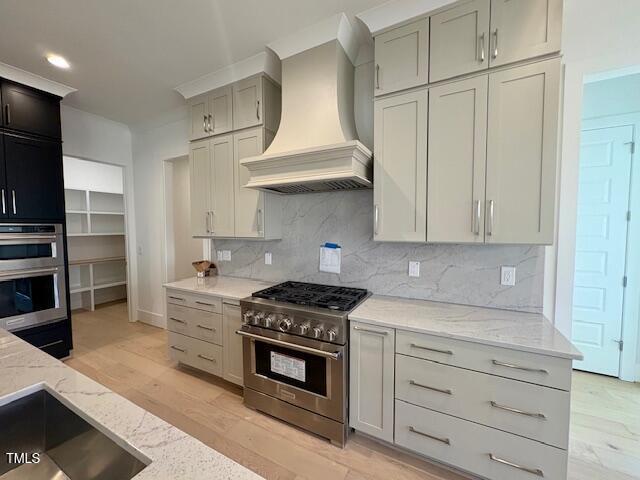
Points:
(457, 160)
(522, 29)
(221, 110)
(199, 117)
(459, 41)
(400, 165)
(200, 187)
(247, 103)
(521, 153)
(402, 57)
(222, 218)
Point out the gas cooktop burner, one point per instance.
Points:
(314, 295)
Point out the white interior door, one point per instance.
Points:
(601, 241)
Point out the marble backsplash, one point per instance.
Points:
(465, 274)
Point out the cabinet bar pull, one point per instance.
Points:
(432, 437)
(178, 349)
(439, 390)
(482, 48)
(475, 227)
(4, 203)
(495, 43)
(519, 367)
(13, 199)
(208, 359)
(355, 327)
(210, 123)
(260, 221)
(376, 216)
(206, 328)
(7, 113)
(204, 303)
(258, 109)
(177, 320)
(437, 350)
(535, 471)
(541, 416)
(176, 298)
(51, 344)
(490, 229)
(204, 123)
(377, 76)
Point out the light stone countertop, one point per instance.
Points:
(173, 453)
(232, 288)
(527, 332)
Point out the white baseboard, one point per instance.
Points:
(152, 318)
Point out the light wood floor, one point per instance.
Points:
(130, 358)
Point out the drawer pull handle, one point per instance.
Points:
(204, 303)
(437, 350)
(535, 471)
(178, 349)
(51, 344)
(432, 437)
(206, 328)
(440, 390)
(208, 359)
(177, 320)
(541, 416)
(369, 331)
(176, 298)
(519, 367)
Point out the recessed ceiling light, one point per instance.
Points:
(57, 61)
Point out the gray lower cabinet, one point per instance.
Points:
(494, 412)
(201, 334)
(371, 357)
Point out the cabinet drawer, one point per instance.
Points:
(195, 323)
(535, 412)
(529, 367)
(196, 353)
(475, 448)
(201, 302)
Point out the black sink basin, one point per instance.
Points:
(43, 439)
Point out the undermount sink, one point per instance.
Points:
(67, 446)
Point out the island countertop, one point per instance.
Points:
(528, 332)
(173, 453)
(232, 288)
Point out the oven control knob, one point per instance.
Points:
(248, 316)
(284, 325)
(257, 318)
(317, 332)
(332, 334)
(304, 328)
(269, 320)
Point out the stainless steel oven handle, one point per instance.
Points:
(48, 238)
(292, 346)
(27, 273)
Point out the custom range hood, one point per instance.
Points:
(316, 147)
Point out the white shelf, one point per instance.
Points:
(109, 285)
(94, 212)
(80, 290)
(84, 212)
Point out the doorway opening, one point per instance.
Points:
(606, 291)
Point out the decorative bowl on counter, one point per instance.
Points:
(204, 268)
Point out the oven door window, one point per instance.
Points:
(27, 295)
(298, 369)
(27, 251)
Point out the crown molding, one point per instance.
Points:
(32, 80)
(263, 62)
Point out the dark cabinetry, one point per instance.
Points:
(30, 111)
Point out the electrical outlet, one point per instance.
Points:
(219, 255)
(268, 258)
(226, 255)
(508, 276)
(414, 269)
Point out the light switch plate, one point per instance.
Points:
(414, 269)
(219, 255)
(226, 255)
(508, 276)
(268, 258)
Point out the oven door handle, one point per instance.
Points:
(26, 239)
(15, 274)
(292, 346)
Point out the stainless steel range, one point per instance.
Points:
(295, 351)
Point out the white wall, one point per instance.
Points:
(150, 148)
(615, 96)
(597, 36)
(91, 137)
(88, 175)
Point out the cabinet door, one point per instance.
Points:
(232, 344)
(249, 203)
(459, 40)
(247, 103)
(199, 117)
(521, 153)
(402, 57)
(221, 110)
(200, 185)
(400, 163)
(222, 194)
(457, 161)
(35, 188)
(523, 29)
(371, 389)
(30, 110)
(4, 211)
